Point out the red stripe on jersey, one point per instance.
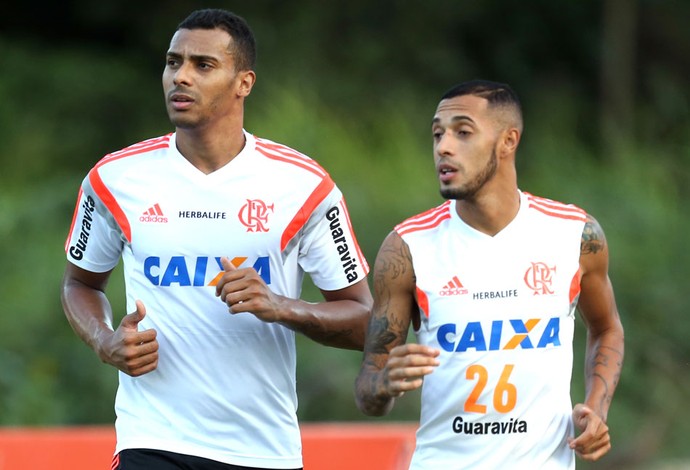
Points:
(116, 462)
(556, 209)
(303, 214)
(135, 149)
(109, 200)
(286, 154)
(282, 153)
(574, 287)
(285, 151)
(104, 193)
(360, 254)
(558, 214)
(422, 301)
(74, 219)
(425, 221)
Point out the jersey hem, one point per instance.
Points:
(277, 463)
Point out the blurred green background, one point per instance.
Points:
(605, 87)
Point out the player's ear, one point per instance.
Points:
(510, 140)
(245, 81)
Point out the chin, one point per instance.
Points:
(452, 193)
(183, 123)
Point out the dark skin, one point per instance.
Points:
(88, 310)
(468, 134)
(340, 321)
(205, 96)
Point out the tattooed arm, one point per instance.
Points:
(604, 352)
(391, 367)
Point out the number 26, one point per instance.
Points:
(505, 393)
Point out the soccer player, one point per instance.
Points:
(216, 228)
(490, 281)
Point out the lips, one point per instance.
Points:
(446, 172)
(181, 101)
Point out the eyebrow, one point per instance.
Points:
(454, 119)
(193, 57)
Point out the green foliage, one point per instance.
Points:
(640, 204)
(355, 87)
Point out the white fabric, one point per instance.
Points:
(501, 310)
(224, 388)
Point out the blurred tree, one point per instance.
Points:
(618, 46)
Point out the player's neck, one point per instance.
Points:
(210, 151)
(490, 212)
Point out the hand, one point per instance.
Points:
(406, 367)
(243, 290)
(594, 440)
(133, 352)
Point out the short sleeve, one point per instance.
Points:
(94, 242)
(328, 249)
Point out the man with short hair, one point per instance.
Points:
(490, 281)
(216, 228)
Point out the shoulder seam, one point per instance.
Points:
(136, 149)
(556, 209)
(425, 220)
(286, 154)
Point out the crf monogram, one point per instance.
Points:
(254, 215)
(539, 278)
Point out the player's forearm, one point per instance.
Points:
(370, 396)
(88, 312)
(340, 324)
(604, 362)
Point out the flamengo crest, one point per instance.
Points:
(539, 278)
(254, 215)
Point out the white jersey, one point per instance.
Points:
(501, 311)
(224, 388)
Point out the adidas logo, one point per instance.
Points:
(454, 287)
(154, 214)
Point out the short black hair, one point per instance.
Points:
(244, 45)
(493, 92)
(496, 93)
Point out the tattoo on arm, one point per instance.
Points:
(381, 335)
(319, 333)
(604, 361)
(605, 345)
(393, 265)
(593, 239)
(388, 326)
